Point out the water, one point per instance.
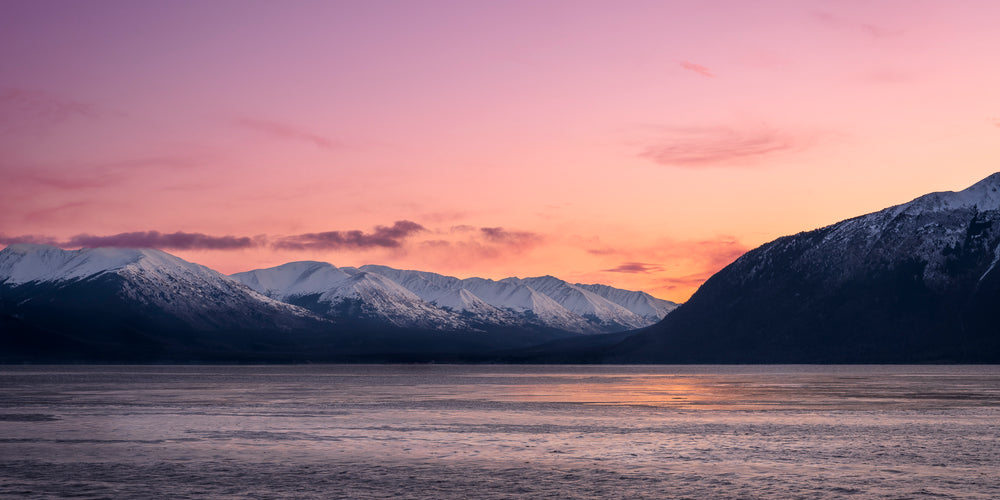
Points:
(378, 431)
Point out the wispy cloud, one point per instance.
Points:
(284, 131)
(714, 253)
(77, 176)
(156, 239)
(673, 266)
(694, 147)
(688, 281)
(503, 236)
(28, 238)
(871, 30)
(143, 239)
(35, 111)
(60, 212)
(603, 251)
(476, 244)
(382, 237)
(697, 68)
(635, 267)
(67, 181)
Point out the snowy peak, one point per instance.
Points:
(293, 278)
(641, 303)
(402, 295)
(41, 263)
(547, 297)
(371, 293)
(146, 278)
(428, 286)
(337, 292)
(991, 184)
(983, 195)
(586, 303)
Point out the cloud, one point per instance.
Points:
(602, 251)
(674, 267)
(68, 181)
(871, 30)
(143, 239)
(78, 176)
(714, 253)
(59, 212)
(477, 244)
(634, 267)
(694, 147)
(879, 32)
(285, 132)
(28, 238)
(156, 239)
(381, 237)
(697, 68)
(502, 236)
(443, 217)
(35, 111)
(688, 281)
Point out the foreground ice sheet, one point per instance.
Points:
(499, 431)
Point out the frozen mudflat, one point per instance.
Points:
(377, 431)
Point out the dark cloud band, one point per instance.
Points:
(382, 237)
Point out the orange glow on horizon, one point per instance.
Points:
(643, 146)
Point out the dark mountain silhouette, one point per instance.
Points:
(914, 283)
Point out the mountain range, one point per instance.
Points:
(429, 300)
(914, 283)
(144, 304)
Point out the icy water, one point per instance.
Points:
(348, 431)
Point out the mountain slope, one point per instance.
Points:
(348, 294)
(428, 300)
(121, 304)
(918, 282)
(553, 301)
(640, 303)
(128, 303)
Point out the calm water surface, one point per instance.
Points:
(386, 431)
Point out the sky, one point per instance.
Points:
(643, 145)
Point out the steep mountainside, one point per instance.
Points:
(917, 282)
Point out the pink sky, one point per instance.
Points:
(643, 145)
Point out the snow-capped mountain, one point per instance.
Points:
(429, 300)
(348, 293)
(545, 297)
(153, 278)
(641, 303)
(121, 304)
(916, 282)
